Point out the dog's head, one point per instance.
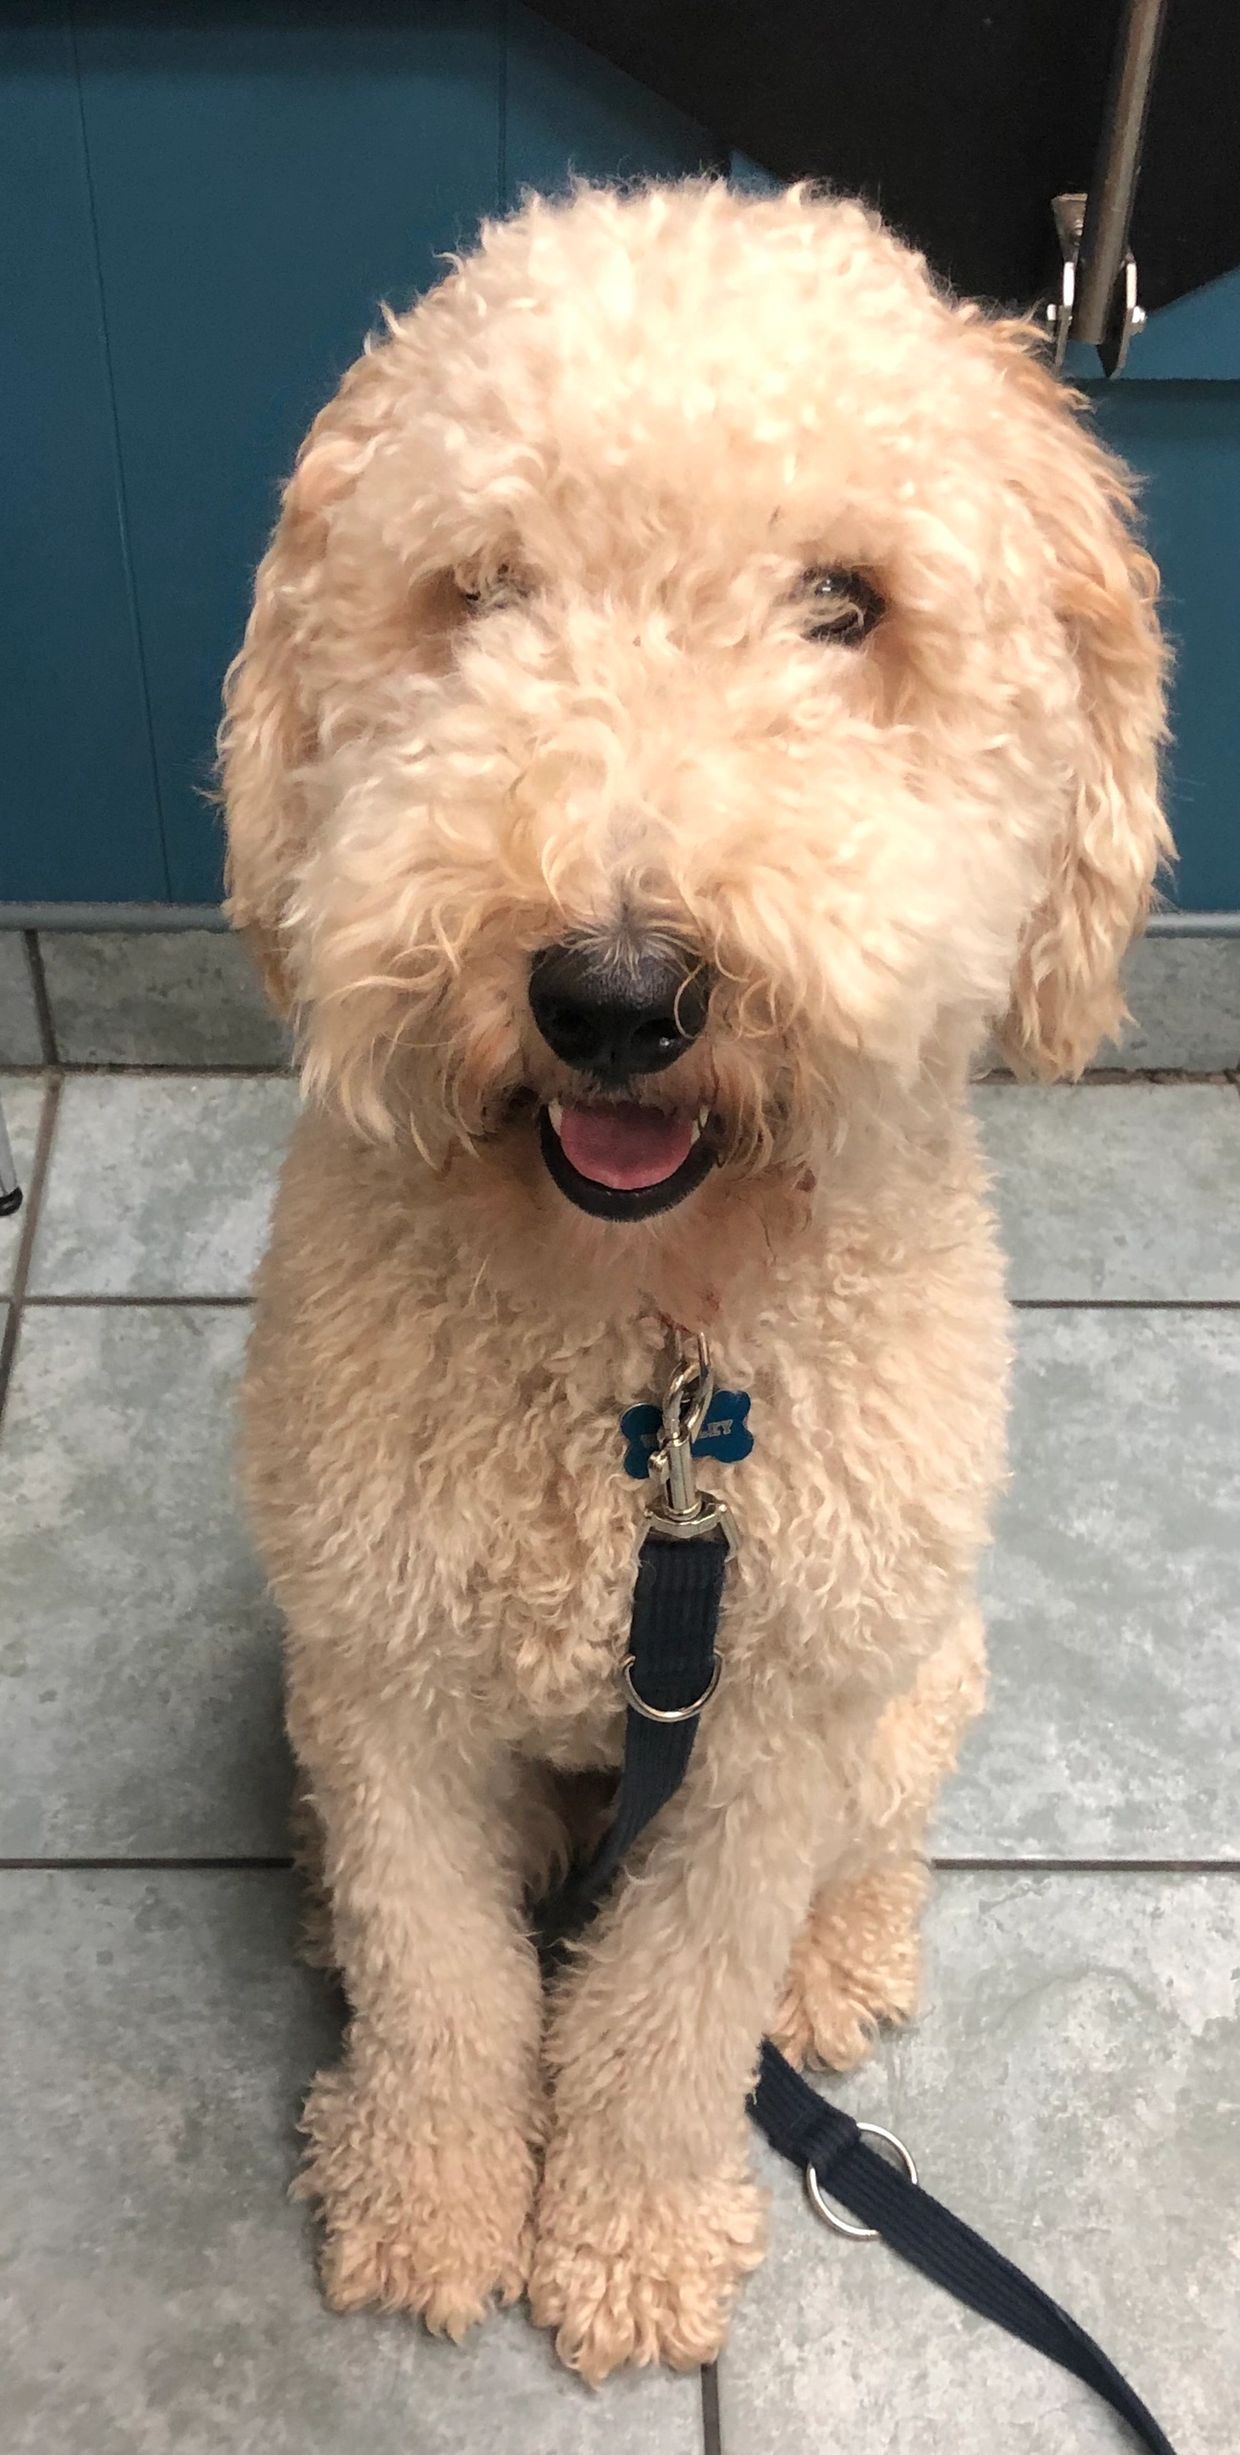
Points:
(696, 663)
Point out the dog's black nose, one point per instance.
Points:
(620, 1009)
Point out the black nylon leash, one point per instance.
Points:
(671, 1670)
(670, 1673)
(826, 2143)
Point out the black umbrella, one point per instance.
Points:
(959, 119)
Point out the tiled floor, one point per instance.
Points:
(1075, 2084)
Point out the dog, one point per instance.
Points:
(703, 680)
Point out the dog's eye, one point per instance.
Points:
(486, 592)
(841, 605)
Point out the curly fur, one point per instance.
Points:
(653, 411)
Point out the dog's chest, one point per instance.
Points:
(528, 1527)
(529, 1524)
(439, 1470)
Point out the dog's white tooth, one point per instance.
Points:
(703, 1119)
(555, 1110)
(695, 1130)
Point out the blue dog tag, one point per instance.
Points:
(725, 1434)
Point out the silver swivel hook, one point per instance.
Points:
(677, 1508)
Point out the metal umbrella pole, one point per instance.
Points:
(1098, 300)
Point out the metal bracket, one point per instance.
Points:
(1069, 212)
(1097, 294)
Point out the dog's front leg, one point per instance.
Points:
(423, 2141)
(648, 2215)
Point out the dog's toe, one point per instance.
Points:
(638, 2276)
(439, 2226)
(856, 1968)
(433, 2272)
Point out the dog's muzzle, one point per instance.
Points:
(620, 1012)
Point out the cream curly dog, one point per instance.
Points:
(702, 677)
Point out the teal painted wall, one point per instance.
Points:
(256, 193)
(1184, 439)
(203, 207)
(78, 811)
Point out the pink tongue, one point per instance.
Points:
(625, 1146)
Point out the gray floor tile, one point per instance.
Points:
(1122, 1190)
(21, 1097)
(1113, 1599)
(170, 997)
(1184, 1005)
(163, 2295)
(20, 1042)
(1072, 2093)
(1184, 996)
(142, 1707)
(160, 1185)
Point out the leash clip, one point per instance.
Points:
(677, 1508)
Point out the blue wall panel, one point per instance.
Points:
(261, 184)
(568, 110)
(262, 181)
(1185, 440)
(77, 798)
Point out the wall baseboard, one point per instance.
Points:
(97, 917)
(1194, 925)
(210, 916)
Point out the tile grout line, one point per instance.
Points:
(25, 1252)
(1116, 1078)
(712, 2431)
(1160, 1078)
(42, 1001)
(170, 1070)
(1018, 1304)
(152, 1864)
(180, 1862)
(1124, 1304)
(114, 1303)
(1017, 1865)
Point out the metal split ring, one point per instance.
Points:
(678, 1713)
(841, 2224)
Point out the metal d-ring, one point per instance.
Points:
(840, 2224)
(678, 1713)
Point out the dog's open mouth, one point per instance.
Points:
(621, 1160)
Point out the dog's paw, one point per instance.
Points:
(856, 1968)
(437, 2225)
(621, 2274)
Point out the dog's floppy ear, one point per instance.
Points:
(264, 737)
(1066, 995)
(269, 731)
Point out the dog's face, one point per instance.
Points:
(696, 664)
